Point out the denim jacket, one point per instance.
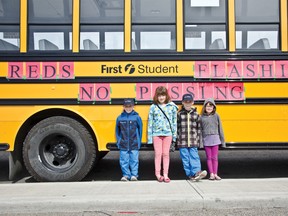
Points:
(129, 131)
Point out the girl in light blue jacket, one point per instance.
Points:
(162, 129)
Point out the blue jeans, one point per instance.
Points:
(129, 162)
(191, 161)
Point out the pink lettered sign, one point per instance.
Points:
(202, 69)
(281, 69)
(155, 85)
(49, 70)
(218, 70)
(86, 91)
(102, 92)
(175, 90)
(266, 69)
(221, 91)
(206, 90)
(250, 69)
(15, 70)
(143, 91)
(234, 70)
(32, 70)
(236, 91)
(66, 70)
(191, 88)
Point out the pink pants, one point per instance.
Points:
(212, 158)
(162, 148)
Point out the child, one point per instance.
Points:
(162, 125)
(213, 136)
(129, 135)
(189, 138)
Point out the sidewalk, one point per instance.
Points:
(143, 195)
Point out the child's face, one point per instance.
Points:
(161, 99)
(188, 104)
(209, 108)
(128, 108)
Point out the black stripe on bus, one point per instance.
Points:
(155, 79)
(229, 146)
(143, 56)
(119, 101)
(4, 146)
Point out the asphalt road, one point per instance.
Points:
(232, 164)
(198, 212)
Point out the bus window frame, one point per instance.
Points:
(65, 29)
(102, 29)
(259, 24)
(67, 15)
(206, 25)
(257, 28)
(10, 29)
(136, 36)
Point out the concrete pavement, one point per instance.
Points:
(143, 195)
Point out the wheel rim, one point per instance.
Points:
(58, 152)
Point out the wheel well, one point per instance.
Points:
(37, 117)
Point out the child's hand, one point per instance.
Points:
(172, 146)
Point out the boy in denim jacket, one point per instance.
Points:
(129, 135)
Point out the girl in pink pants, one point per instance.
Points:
(162, 152)
(162, 129)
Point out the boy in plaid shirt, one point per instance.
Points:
(189, 138)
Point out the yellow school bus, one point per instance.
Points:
(67, 65)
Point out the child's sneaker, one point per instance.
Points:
(133, 178)
(124, 179)
(199, 175)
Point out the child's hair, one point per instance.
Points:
(204, 108)
(161, 90)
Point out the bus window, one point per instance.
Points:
(153, 25)
(50, 38)
(257, 24)
(101, 11)
(50, 11)
(89, 45)
(260, 11)
(43, 35)
(205, 37)
(9, 38)
(199, 12)
(9, 11)
(114, 40)
(154, 37)
(205, 25)
(153, 11)
(96, 36)
(89, 40)
(9, 34)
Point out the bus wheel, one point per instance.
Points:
(59, 149)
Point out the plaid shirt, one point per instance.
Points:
(188, 128)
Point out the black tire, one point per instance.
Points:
(59, 149)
